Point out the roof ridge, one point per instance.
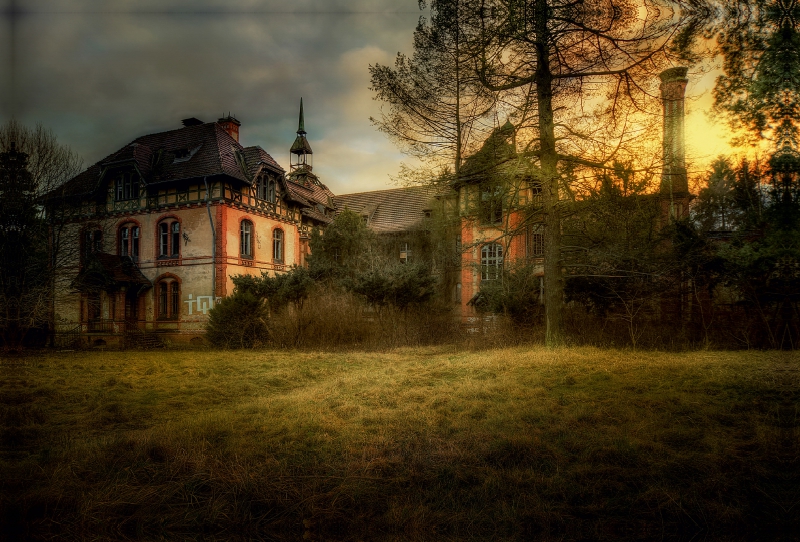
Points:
(387, 190)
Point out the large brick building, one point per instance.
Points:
(164, 222)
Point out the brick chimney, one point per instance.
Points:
(673, 89)
(230, 125)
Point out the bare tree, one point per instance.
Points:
(37, 240)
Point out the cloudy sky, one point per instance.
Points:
(100, 73)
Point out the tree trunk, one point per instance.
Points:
(553, 275)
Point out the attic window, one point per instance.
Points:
(126, 186)
(427, 213)
(181, 153)
(321, 208)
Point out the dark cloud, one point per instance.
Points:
(101, 79)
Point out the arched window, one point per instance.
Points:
(169, 299)
(246, 239)
(277, 246)
(129, 241)
(491, 261)
(169, 238)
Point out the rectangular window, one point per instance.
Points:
(246, 239)
(176, 300)
(535, 242)
(277, 246)
(163, 239)
(405, 253)
(491, 205)
(491, 261)
(125, 242)
(162, 300)
(127, 187)
(176, 239)
(135, 243)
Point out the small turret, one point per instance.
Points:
(301, 151)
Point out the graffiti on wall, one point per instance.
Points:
(200, 304)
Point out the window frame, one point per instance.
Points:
(405, 252)
(491, 261)
(129, 240)
(168, 238)
(534, 242)
(278, 246)
(248, 241)
(127, 186)
(168, 298)
(266, 188)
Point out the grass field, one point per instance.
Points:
(422, 444)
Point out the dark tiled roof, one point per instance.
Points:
(390, 211)
(109, 272)
(317, 216)
(189, 152)
(305, 186)
(256, 156)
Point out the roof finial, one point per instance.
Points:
(301, 128)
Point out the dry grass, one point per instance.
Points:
(422, 444)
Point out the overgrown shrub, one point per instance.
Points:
(238, 321)
(517, 296)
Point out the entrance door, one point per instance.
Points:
(132, 310)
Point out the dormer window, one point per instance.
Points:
(127, 186)
(266, 189)
(183, 155)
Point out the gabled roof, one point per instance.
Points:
(256, 157)
(189, 152)
(390, 211)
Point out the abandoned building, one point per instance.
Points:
(164, 222)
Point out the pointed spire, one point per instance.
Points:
(300, 147)
(301, 128)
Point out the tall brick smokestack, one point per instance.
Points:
(673, 89)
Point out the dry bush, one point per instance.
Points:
(333, 319)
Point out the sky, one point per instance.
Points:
(100, 73)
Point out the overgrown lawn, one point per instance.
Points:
(416, 444)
